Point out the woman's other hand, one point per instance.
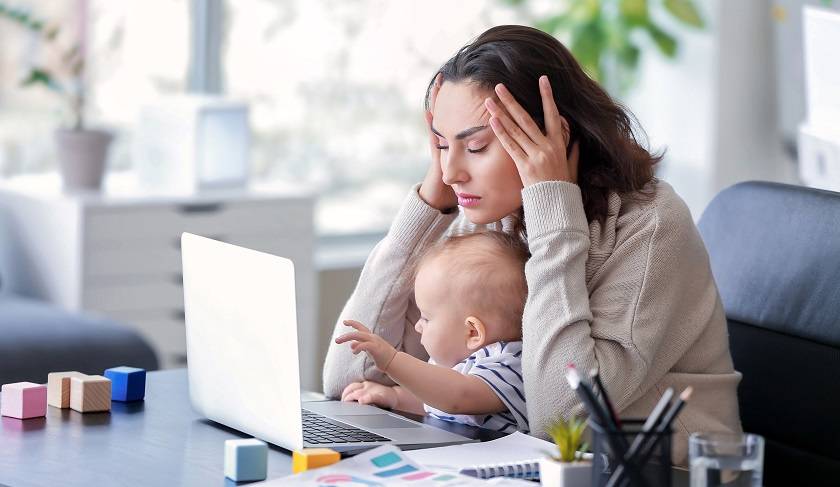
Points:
(433, 190)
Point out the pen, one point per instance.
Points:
(663, 426)
(650, 423)
(596, 379)
(615, 438)
(586, 395)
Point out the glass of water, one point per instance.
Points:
(726, 459)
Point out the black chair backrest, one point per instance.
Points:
(775, 254)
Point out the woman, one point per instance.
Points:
(523, 141)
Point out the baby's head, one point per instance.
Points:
(471, 292)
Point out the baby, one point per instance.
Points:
(471, 291)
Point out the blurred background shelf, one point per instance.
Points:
(117, 252)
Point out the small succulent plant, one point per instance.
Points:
(568, 436)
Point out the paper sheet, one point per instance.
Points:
(384, 466)
(513, 448)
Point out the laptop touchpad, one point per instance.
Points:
(376, 421)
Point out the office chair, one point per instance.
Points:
(775, 254)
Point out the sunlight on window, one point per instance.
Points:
(336, 90)
(136, 51)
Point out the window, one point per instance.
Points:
(336, 90)
(135, 51)
(335, 86)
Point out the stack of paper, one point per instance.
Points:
(513, 448)
(384, 466)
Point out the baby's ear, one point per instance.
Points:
(476, 333)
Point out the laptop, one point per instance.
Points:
(242, 354)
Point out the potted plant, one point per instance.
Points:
(82, 152)
(568, 468)
(604, 35)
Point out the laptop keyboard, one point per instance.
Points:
(318, 429)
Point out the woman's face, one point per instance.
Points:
(473, 161)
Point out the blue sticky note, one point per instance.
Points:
(389, 458)
(396, 471)
(127, 383)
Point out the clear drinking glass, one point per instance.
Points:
(726, 459)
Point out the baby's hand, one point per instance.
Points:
(362, 339)
(368, 392)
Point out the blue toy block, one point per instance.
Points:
(246, 459)
(127, 383)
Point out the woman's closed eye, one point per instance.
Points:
(471, 151)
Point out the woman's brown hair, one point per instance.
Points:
(612, 157)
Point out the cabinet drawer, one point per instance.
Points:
(164, 259)
(138, 295)
(167, 337)
(113, 225)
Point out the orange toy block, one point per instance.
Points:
(309, 458)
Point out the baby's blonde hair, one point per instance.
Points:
(494, 262)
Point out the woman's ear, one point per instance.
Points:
(476, 333)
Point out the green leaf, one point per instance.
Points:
(554, 23)
(664, 41)
(39, 76)
(686, 11)
(634, 12)
(629, 55)
(587, 44)
(567, 434)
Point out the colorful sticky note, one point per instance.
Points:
(396, 471)
(389, 458)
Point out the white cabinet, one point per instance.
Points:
(117, 252)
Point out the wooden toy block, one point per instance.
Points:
(58, 388)
(90, 393)
(309, 458)
(127, 383)
(246, 459)
(23, 400)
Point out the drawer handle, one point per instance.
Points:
(179, 315)
(178, 279)
(201, 208)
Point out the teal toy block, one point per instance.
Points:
(246, 459)
(127, 383)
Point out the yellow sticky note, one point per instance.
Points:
(309, 458)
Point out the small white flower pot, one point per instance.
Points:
(562, 474)
(82, 156)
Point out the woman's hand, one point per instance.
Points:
(363, 340)
(538, 157)
(368, 392)
(433, 191)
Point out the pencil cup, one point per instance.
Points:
(613, 464)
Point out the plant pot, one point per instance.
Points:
(82, 155)
(565, 474)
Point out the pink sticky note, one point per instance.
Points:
(23, 400)
(419, 476)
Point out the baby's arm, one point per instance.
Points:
(440, 387)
